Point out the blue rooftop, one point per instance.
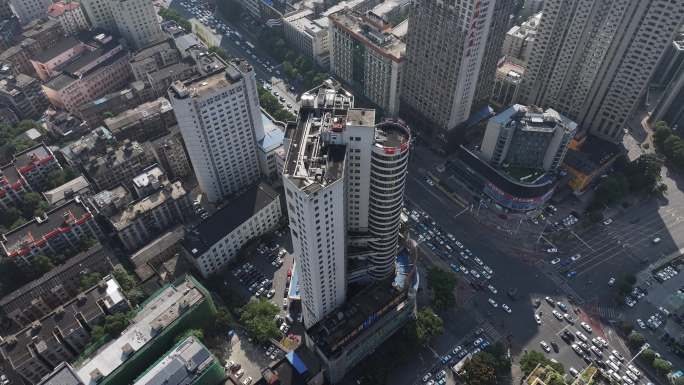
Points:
(293, 292)
(273, 134)
(403, 268)
(297, 362)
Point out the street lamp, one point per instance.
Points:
(643, 347)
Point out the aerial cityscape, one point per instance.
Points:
(353, 192)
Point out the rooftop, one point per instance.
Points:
(67, 190)
(62, 45)
(58, 8)
(593, 153)
(137, 114)
(158, 245)
(212, 82)
(151, 50)
(114, 157)
(31, 155)
(151, 175)
(392, 134)
(134, 210)
(63, 374)
(37, 228)
(228, 218)
(183, 365)
(533, 119)
(60, 81)
(113, 198)
(312, 160)
(158, 313)
(274, 134)
(372, 31)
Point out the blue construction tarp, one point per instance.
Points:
(297, 362)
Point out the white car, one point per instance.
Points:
(506, 308)
(618, 355)
(545, 346)
(576, 257)
(641, 324)
(577, 349)
(611, 281)
(492, 289)
(607, 221)
(537, 319)
(493, 303)
(550, 301)
(474, 273)
(558, 315)
(632, 376)
(573, 372)
(478, 261)
(555, 261)
(581, 336)
(568, 318)
(247, 381)
(552, 250)
(634, 370)
(586, 327)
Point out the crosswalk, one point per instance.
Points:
(488, 329)
(605, 312)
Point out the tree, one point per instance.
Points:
(42, 264)
(129, 285)
(171, 14)
(116, 323)
(32, 204)
(258, 317)
(636, 339)
(662, 132)
(223, 321)
(59, 177)
(426, 325)
(610, 190)
(648, 355)
(9, 217)
(662, 366)
(89, 280)
(197, 333)
(479, 371)
(442, 283)
(532, 358)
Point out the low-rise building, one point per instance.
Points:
(110, 202)
(63, 124)
(175, 308)
(118, 166)
(35, 165)
(61, 335)
(365, 54)
(70, 15)
(587, 159)
(145, 122)
(19, 59)
(148, 217)
(61, 228)
(215, 241)
(59, 195)
(153, 58)
(172, 156)
(148, 181)
(157, 251)
(270, 149)
(42, 295)
(46, 33)
(188, 363)
(95, 112)
(92, 144)
(23, 95)
(309, 35)
(100, 68)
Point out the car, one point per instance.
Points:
(492, 289)
(537, 319)
(562, 306)
(618, 355)
(576, 257)
(552, 250)
(456, 350)
(492, 302)
(478, 341)
(230, 364)
(558, 315)
(611, 281)
(586, 327)
(656, 240)
(596, 351)
(270, 293)
(573, 372)
(478, 261)
(568, 318)
(607, 221)
(475, 274)
(632, 376)
(550, 301)
(284, 303)
(641, 324)
(545, 346)
(247, 381)
(555, 261)
(581, 336)
(429, 182)
(240, 373)
(577, 349)
(506, 308)
(571, 274)
(634, 370)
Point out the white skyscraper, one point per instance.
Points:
(344, 179)
(137, 22)
(446, 47)
(220, 121)
(28, 10)
(591, 59)
(99, 13)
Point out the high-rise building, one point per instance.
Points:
(446, 52)
(592, 60)
(220, 121)
(669, 80)
(137, 22)
(70, 15)
(344, 179)
(366, 55)
(519, 40)
(99, 13)
(29, 10)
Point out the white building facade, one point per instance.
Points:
(137, 22)
(591, 61)
(29, 10)
(70, 15)
(99, 14)
(220, 121)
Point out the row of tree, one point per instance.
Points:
(296, 67)
(172, 15)
(669, 144)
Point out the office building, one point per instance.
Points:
(591, 61)
(23, 95)
(340, 165)
(215, 241)
(70, 15)
(519, 40)
(446, 49)
(366, 55)
(137, 22)
(118, 166)
(30, 10)
(220, 121)
(99, 14)
(173, 309)
(188, 363)
(527, 137)
(44, 294)
(142, 220)
(668, 79)
(63, 227)
(61, 335)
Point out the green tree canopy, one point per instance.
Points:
(197, 333)
(442, 283)
(648, 355)
(662, 366)
(478, 371)
(426, 325)
(636, 339)
(532, 358)
(89, 280)
(258, 317)
(42, 264)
